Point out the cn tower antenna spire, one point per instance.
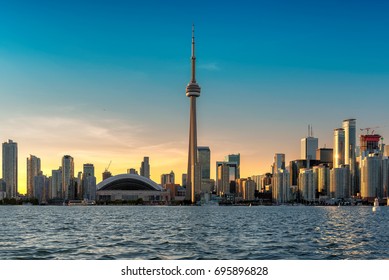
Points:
(193, 56)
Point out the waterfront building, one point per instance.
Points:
(3, 189)
(33, 169)
(248, 189)
(68, 177)
(385, 176)
(89, 189)
(257, 181)
(130, 187)
(281, 186)
(145, 168)
(306, 185)
(339, 145)
(41, 188)
(349, 127)
(88, 171)
(340, 182)
(371, 177)
(10, 168)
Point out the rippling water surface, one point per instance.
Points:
(137, 232)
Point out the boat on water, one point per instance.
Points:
(376, 206)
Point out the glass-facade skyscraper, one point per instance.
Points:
(204, 159)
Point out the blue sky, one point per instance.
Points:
(104, 80)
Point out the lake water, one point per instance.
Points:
(148, 232)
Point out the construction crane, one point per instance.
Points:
(368, 129)
(108, 166)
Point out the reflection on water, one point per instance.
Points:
(137, 232)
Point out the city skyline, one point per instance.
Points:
(113, 89)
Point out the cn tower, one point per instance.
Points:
(192, 91)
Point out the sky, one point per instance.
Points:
(105, 81)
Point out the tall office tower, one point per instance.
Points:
(56, 183)
(232, 167)
(325, 156)
(349, 127)
(306, 186)
(192, 91)
(296, 165)
(184, 180)
(204, 160)
(279, 162)
(281, 186)
(369, 144)
(145, 168)
(339, 182)
(322, 179)
(234, 158)
(223, 179)
(10, 168)
(309, 145)
(167, 178)
(68, 191)
(33, 169)
(371, 177)
(339, 146)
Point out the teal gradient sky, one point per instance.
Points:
(105, 80)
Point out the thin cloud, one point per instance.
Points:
(213, 66)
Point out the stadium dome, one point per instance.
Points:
(128, 182)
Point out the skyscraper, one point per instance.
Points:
(339, 182)
(234, 158)
(309, 146)
(145, 168)
(10, 168)
(68, 177)
(371, 177)
(56, 183)
(192, 91)
(33, 169)
(204, 159)
(349, 127)
(338, 153)
(279, 163)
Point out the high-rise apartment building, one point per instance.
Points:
(56, 184)
(340, 182)
(281, 186)
(68, 177)
(10, 168)
(33, 169)
(371, 177)
(306, 185)
(145, 168)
